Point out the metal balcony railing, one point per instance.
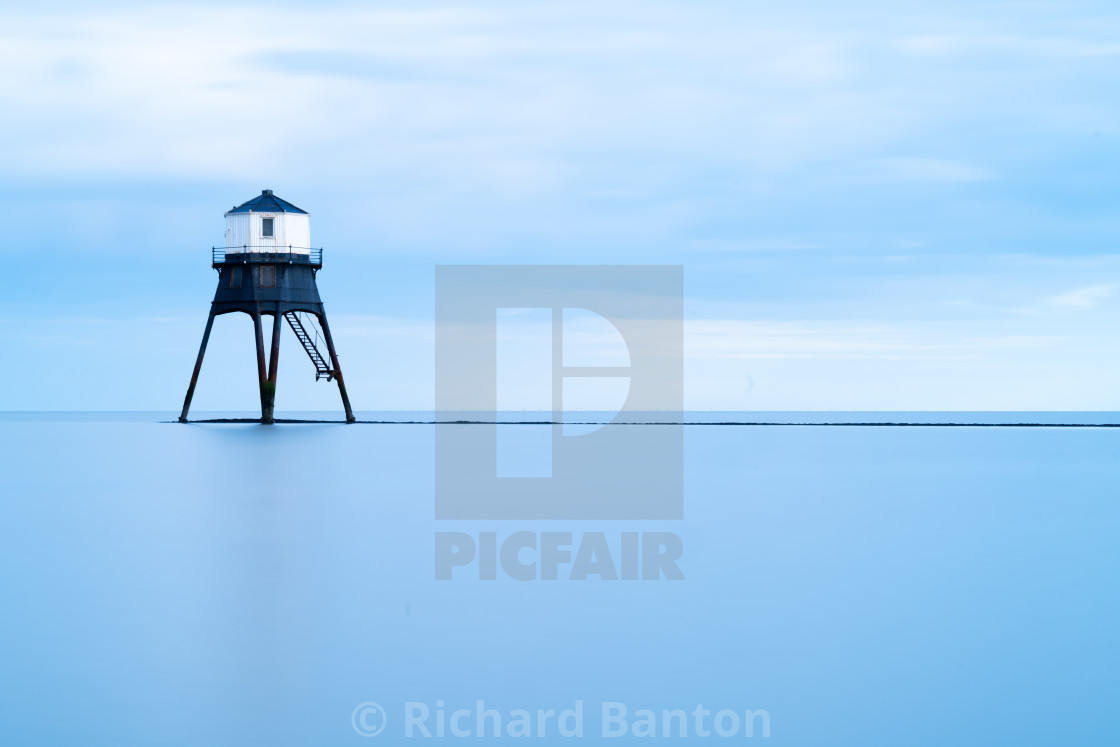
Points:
(221, 255)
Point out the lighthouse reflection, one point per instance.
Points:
(204, 584)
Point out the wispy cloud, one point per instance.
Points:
(917, 169)
(1083, 298)
(471, 91)
(1041, 45)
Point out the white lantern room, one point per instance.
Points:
(267, 223)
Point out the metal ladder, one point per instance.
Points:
(321, 367)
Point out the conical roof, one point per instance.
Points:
(266, 202)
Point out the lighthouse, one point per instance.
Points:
(267, 268)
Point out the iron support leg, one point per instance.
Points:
(266, 413)
(273, 362)
(337, 368)
(197, 367)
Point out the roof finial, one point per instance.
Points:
(266, 192)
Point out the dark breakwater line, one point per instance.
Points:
(663, 422)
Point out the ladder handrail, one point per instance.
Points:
(309, 346)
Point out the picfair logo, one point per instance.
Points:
(583, 354)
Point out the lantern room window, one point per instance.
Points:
(266, 228)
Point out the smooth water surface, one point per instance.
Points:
(232, 584)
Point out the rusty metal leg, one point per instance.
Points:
(273, 362)
(266, 414)
(197, 367)
(337, 368)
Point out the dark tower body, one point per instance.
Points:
(263, 277)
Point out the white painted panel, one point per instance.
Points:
(297, 232)
(237, 230)
(289, 230)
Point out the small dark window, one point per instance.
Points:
(268, 276)
(235, 277)
(266, 227)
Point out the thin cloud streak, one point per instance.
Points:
(1083, 298)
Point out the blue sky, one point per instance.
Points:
(877, 205)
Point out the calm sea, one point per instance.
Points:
(235, 584)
